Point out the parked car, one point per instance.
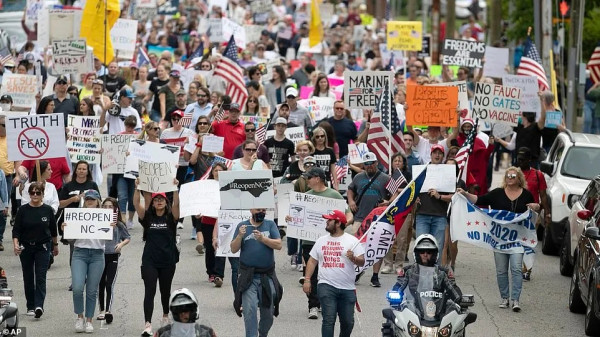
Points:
(573, 161)
(584, 294)
(579, 218)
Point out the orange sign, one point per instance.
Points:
(431, 105)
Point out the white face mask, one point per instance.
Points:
(5, 106)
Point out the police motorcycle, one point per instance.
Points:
(9, 312)
(425, 302)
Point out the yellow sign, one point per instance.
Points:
(405, 35)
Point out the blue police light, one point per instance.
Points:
(394, 297)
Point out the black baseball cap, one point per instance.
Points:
(62, 78)
(524, 152)
(316, 172)
(7, 98)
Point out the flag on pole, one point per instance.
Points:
(381, 233)
(341, 168)
(465, 150)
(197, 53)
(93, 26)
(315, 29)
(231, 72)
(261, 134)
(142, 57)
(531, 65)
(395, 182)
(594, 65)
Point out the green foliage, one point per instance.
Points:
(591, 33)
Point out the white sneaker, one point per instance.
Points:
(503, 304)
(386, 270)
(89, 328)
(147, 330)
(129, 224)
(30, 313)
(79, 323)
(299, 268)
(313, 313)
(516, 307)
(180, 225)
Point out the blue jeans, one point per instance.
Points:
(251, 299)
(434, 225)
(86, 270)
(155, 115)
(591, 124)
(336, 301)
(235, 266)
(515, 261)
(125, 189)
(34, 263)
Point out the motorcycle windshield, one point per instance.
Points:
(431, 301)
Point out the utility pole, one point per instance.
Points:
(574, 56)
(435, 31)
(495, 22)
(411, 8)
(450, 19)
(546, 34)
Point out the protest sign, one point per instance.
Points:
(437, 177)
(114, 153)
(318, 107)
(228, 221)
(253, 32)
(200, 197)
(222, 29)
(69, 56)
(307, 212)
(261, 6)
(356, 152)
(83, 138)
(246, 189)
(426, 49)
(345, 181)
(144, 10)
(35, 136)
(216, 29)
(22, 89)
(431, 105)
(123, 35)
(295, 134)
(306, 48)
(405, 35)
(149, 152)
(497, 103)
(282, 200)
(501, 130)
(57, 24)
(530, 101)
(156, 177)
(362, 89)
(212, 143)
(391, 55)
(463, 96)
(553, 119)
(496, 61)
(167, 7)
(305, 92)
(89, 223)
(32, 10)
(463, 53)
(269, 68)
(259, 121)
(326, 11)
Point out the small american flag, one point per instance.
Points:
(594, 65)
(341, 167)
(227, 162)
(355, 91)
(463, 153)
(395, 182)
(197, 53)
(261, 134)
(531, 65)
(185, 121)
(231, 72)
(220, 114)
(5, 56)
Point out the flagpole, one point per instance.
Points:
(105, 29)
(391, 93)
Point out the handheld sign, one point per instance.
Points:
(307, 212)
(35, 137)
(497, 104)
(149, 152)
(83, 139)
(405, 35)
(89, 223)
(431, 105)
(496, 61)
(227, 223)
(212, 143)
(437, 177)
(200, 197)
(22, 89)
(69, 56)
(295, 134)
(114, 154)
(530, 101)
(463, 97)
(318, 107)
(362, 89)
(246, 189)
(156, 177)
(463, 53)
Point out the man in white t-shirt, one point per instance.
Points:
(337, 255)
(116, 123)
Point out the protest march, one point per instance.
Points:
(336, 135)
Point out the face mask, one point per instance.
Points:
(259, 217)
(5, 106)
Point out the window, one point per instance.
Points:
(581, 162)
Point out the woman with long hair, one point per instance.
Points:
(192, 94)
(88, 81)
(322, 88)
(46, 106)
(159, 219)
(275, 89)
(86, 107)
(141, 85)
(304, 149)
(331, 142)
(199, 161)
(251, 107)
(324, 155)
(50, 195)
(86, 269)
(151, 132)
(250, 160)
(112, 251)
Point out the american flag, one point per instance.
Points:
(230, 71)
(355, 91)
(395, 182)
(341, 168)
(220, 114)
(531, 65)
(594, 65)
(5, 56)
(379, 138)
(261, 134)
(463, 153)
(227, 162)
(142, 57)
(206, 174)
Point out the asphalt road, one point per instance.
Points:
(543, 300)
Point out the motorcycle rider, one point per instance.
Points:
(184, 309)
(426, 254)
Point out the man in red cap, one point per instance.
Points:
(337, 255)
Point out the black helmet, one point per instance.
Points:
(426, 242)
(183, 300)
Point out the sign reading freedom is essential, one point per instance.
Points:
(463, 53)
(69, 56)
(22, 89)
(431, 105)
(405, 35)
(362, 89)
(307, 212)
(115, 153)
(89, 223)
(83, 139)
(246, 189)
(156, 177)
(497, 104)
(35, 137)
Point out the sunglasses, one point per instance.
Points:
(339, 108)
(202, 123)
(309, 164)
(97, 82)
(155, 128)
(250, 150)
(252, 101)
(511, 176)
(202, 95)
(250, 130)
(319, 136)
(368, 163)
(36, 193)
(61, 82)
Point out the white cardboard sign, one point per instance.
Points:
(212, 143)
(295, 134)
(307, 212)
(227, 223)
(156, 177)
(246, 189)
(123, 35)
(89, 223)
(149, 152)
(497, 103)
(114, 153)
(440, 177)
(35, 137)
(530, 100)
(83, 139)
(200, 197)
(69, 56)
(22, 89)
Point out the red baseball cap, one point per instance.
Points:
(437, 147)
(178, 112)
(160, 194)
(336, 215)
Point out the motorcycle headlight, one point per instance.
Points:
(445, 331)
(413, 330)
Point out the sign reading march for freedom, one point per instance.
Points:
(497, 104)
(35, 137)
(463, 53)
(362, 89)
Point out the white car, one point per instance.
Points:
(572, 162)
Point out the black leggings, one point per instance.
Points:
(107, 281)
(164, 276)
(209, 253)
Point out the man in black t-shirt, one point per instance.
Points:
(280, 149)
(112, 81)
(344, 128)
